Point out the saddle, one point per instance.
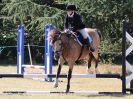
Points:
(77, 37)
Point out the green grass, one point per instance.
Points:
(77, 84)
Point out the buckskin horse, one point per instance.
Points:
(67, 49)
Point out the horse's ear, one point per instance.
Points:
(51, 34)
(57, 31)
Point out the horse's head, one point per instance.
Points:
(58, 40)
(55, 41)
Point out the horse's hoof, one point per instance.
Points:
(90, 71)
(55, 85)
(67, 91)
(97, 71)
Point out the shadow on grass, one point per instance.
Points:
(107, 95)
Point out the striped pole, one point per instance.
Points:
(20, 49)
(61, 92)
(48, 52)
(61, 75)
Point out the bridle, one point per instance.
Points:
(58, 38)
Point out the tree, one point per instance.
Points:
(105, 15)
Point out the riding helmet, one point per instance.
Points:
(71, 7)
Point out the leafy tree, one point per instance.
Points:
(105, 15)
(31, 13)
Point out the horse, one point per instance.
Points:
(67, 49)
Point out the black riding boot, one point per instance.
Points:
(91, 49)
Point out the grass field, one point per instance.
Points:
(77, 84)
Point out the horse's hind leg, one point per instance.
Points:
(89, 64)
(96, 60)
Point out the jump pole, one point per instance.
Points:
(20, 49)
(61, 75)
(48, 51)
(60, 92)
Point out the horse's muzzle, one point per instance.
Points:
(56, 56)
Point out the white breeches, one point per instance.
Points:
(85, 34)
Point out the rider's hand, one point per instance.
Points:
(66, 30)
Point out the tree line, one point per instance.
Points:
(105, 15)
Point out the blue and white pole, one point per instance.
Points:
(48, 52)
(20, 49)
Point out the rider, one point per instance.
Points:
(73, 21)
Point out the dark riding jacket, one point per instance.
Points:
(75, 23)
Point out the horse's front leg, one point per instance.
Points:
(57, 76)
(60, 63)
(69, 77)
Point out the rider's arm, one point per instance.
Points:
(79, 23)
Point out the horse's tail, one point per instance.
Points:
(99, 33)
